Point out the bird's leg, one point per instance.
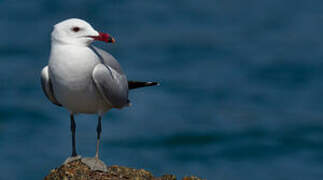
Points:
(95, 163)
(74, 154)
(98, 131)
(73, 126)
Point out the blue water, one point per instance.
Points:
(240, 95)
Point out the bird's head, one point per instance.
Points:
(78, 32)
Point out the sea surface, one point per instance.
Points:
(240, 95)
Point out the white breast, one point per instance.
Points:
(70, 68)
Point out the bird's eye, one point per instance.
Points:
(76, 29)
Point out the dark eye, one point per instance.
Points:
(76, 29)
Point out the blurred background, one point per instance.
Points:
(240, 95)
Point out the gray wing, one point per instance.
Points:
(111, 85)
(47, 86)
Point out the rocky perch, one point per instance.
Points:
(77, 170)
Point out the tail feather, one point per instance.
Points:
(139, 84)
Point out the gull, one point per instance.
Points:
(83, 78)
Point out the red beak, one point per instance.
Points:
(105, 37)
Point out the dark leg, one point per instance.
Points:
(73, 126)
(98, 131)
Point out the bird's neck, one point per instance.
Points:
(61, 41)
(70, 55)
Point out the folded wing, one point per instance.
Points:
(111, 81)
(112, 86)
(47, 86)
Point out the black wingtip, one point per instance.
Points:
(139, 84)
(152, 83)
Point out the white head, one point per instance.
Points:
(77, 32)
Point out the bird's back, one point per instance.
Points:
(107, 59)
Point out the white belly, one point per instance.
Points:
(73, 86)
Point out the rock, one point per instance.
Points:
(77, 170)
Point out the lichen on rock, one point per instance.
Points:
(77, 170)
